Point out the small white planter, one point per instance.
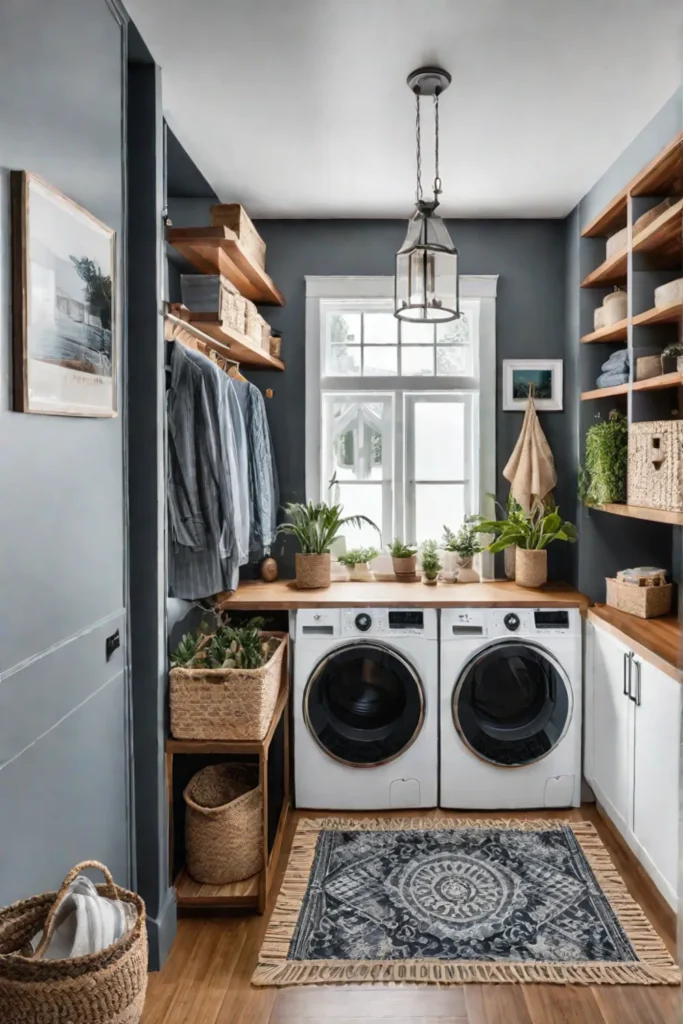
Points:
(360, 572)
(466, 574)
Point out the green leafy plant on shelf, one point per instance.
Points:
(397, 549)
(317, 526)
(465, 543)
(226, 647)
(430, 561)
(358, 556)
(530, 531)
(603, 478)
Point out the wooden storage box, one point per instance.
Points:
(668, 293)
(645, 602)
(235, 217)
(655, 461)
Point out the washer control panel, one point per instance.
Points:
(388, 622)
(465, 623)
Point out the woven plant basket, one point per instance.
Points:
(235, 217)
(313, 572)
(232, 310)
(655, 463)
(531, 568)
(227, 703)
(645, 602)
(103, 988)
(648, 366)
(224, 824)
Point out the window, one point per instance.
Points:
(395, 412)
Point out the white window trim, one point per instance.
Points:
(321, 289)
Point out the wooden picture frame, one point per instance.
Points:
(64, 316)
(544, 374)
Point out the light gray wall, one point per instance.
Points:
(64, 764)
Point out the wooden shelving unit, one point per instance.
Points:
(235, 344)
(218, 251)
(663, 238)
(609, 220)
(664, 175)
(618, 389)
(615, 332)
(611, 271)
(652, 515)
(669, 314)
(666, 380)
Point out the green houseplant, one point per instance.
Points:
(603, 480)
(674, 351)
(358, 562)
(461, 547)
(531, 533)
(431, 563)
(403, 558)
(316, 527)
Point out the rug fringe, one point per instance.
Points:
(381, 824)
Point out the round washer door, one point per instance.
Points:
(512, 703)
(364, 704)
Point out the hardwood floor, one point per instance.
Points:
(206, 979)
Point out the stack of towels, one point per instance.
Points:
(615, 370)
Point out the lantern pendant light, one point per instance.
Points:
(426, 284)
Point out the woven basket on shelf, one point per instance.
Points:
(615, 306)
(265, 335)
(313, 572)
(102, 988)
(227, 703)
(275, 345)
(531, 567)
(655, 461)
(232, 311)
(616, 242)
(670, 292)
(648, 366)
(598, 318)
(224, 824)
(235, 217)
(651, 216)
(645, 602)
(253, 322)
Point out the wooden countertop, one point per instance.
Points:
(657, 641)
(283, 594)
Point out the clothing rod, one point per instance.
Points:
(204, 338)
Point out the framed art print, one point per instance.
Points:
(542, 377)
(63, 287)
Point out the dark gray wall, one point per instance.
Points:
(64, 753)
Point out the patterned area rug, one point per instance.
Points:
(453, 901)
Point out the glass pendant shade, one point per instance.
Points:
(427, 280)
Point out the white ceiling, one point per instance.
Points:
(299, 108)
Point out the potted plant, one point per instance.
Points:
(431, 563)
(462, 547)
(358, 562)
(403, 559)
(674, 351)
(531, 532)
(316, 527)
(603, 480)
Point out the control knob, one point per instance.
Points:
(511, 622)
(363, 622)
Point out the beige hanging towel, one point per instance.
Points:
(531, 468)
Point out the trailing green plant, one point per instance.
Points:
(227, 647)
(465, 542)
(531, 531)
(603, 478)
(429, 558)
(317, 526)
(358, 556)
(675, 349)
(397, 549)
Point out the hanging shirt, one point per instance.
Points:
(263, 483)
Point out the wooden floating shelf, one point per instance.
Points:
(666, 380)
(609, 220)
(663, 238)
(236, 894)
(669, 314)
(612, 271)
(615, 332)
(618, 389)
(219, 251)
(653, 515)
(238, 346)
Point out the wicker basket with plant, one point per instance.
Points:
(316, 527)
(531, 532)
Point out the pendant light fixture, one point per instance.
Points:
(427, 288)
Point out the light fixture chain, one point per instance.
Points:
(418, 137)
(437, 178)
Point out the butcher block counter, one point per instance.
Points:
(284, 595)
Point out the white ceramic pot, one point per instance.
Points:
(360, 572)
(466, 574)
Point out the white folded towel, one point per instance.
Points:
(86, 922)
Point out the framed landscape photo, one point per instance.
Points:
(63, 288)
(541, 377)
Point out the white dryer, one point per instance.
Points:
(365, 708)
(510, 708)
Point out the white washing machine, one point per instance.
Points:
(365, 708)
(510, 708)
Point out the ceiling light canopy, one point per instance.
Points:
(427, 286)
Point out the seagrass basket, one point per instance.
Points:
(253, 323)
(235, 217)
(102, 988)
(648, 366)
(224, 824)
(313, 572)
(227, 703)
(645, 602)
(232, 311)
(655, 462)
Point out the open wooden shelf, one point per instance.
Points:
(219, 251)
(663, 238)
(609, 220)
(618, 389)
(663, 176)
(612, 271)
(653, 515)
(615, 332)
(669, 314)
(237, 345)
(237, 894)
(665, 380)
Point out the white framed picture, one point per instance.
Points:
(541, 377)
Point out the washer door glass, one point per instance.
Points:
(364, 704)
(511, 705)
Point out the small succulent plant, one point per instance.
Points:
(227, 647)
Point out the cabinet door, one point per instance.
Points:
(612, 729)
(657, 752)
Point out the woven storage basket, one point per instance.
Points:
(616, 242)
(654, 464)
(275, 345)
(615, 306)
(232, 311)
(224, 824)
(598, 318)
(103, 988)
(227, 703)
(671, 292)
(531, 568)
(253, 323)
(645, 602)
(235, 217)
(648, 366)
(313, 572)
(651, 216)
(265, 335)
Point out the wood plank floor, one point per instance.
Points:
(206, 979)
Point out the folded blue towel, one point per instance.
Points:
(611, 379)
(617, 362)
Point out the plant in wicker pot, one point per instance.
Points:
(603, 479)
(404, 559)
(316, 527)
(358, 563)
(431, 563)
(531, 532)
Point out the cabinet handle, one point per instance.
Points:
(638, 678)
(628, 661)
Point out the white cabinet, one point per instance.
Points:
(633, 730)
